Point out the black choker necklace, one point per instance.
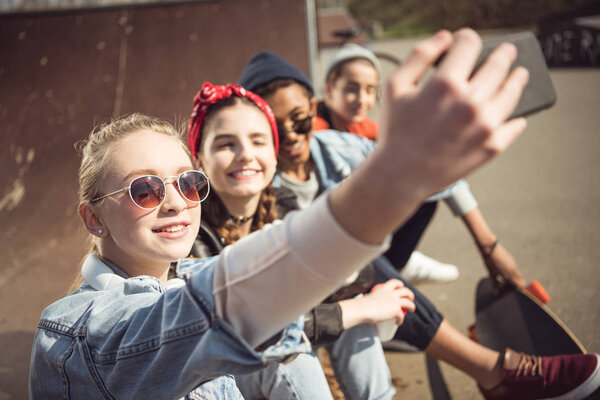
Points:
(240, 220)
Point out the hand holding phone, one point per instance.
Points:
(539, 93)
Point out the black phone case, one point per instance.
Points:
(539, 93)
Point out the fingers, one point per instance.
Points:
(502, 106)
(488, 116)
(506, 99)
(406, 305)
(399, 289)
(518, 281)
(418, 62)
(460, 59)
(395, 283)
(507, 267)
(489, 83)
(497, 283)
(390, 284)
(406, 293)
(505, 135)
(388, 301)
(488, 78)
(395, 289)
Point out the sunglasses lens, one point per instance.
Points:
(147, 191)
(303, 126)
(194, 186)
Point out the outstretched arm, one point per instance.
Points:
(430, 136)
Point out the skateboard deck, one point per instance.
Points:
(516, 319)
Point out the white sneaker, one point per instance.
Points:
(420, 268)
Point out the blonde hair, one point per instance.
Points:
(95, 152)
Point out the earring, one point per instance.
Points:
(100, 231)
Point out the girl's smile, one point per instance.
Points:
(294, 148)
(237, 152)
(173, 230)
(245, 174)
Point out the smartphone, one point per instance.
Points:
(539, 93)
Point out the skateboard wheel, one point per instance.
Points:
(537, 290)
(473, 333)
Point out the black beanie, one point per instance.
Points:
(265, 67)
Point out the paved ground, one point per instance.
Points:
(541, 198)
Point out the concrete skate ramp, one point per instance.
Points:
(63, 72)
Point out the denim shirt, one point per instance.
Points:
(134, 339)
(337, 154)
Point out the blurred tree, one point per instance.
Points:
(408, 16)
(330, 3)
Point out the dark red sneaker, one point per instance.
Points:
(558, 377)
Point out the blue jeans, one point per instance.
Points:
(359, 364)
(302, 378)
(356, 357)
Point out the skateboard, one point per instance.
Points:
(519, 319)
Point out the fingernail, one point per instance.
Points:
(441, 35)
(511, 49)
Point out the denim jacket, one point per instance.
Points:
(133, 338)
(337, 154)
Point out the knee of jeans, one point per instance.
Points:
(360, 339)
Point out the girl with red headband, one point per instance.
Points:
(233, 136)
(243, 151)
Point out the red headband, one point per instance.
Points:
(211, 94)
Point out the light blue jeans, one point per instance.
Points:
(360, 365)
(302, 378)
(356, 357)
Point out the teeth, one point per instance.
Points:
(244, 173)
(295, 146)
(173, 228)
